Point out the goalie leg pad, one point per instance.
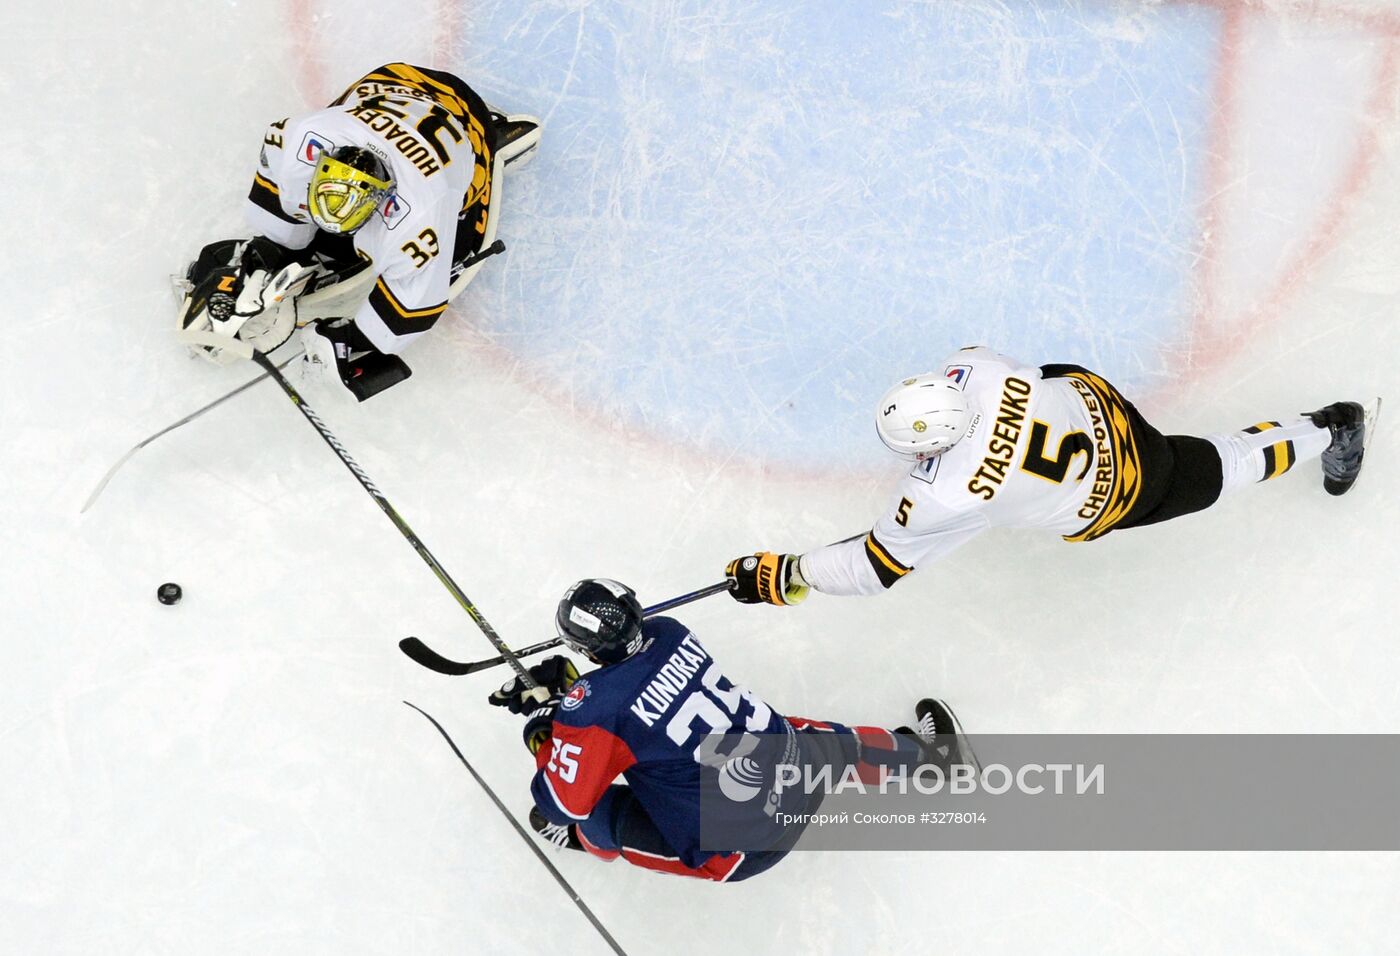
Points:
(332, 352)
(517, 136)
(373, 372)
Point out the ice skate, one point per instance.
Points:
(563, 837)
(1351, 425)
(941, 735)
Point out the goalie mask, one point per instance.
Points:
(600, 619)
(348, 185)
(922, 416)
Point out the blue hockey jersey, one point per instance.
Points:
(699, 752)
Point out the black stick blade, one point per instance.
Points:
(423, 654)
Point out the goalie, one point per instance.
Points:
(369, 217)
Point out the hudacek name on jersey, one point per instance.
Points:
(374, 109)
(670, 680)
(387, 125)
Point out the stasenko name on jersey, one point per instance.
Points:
(1006, 432)
(400, 138)
(669, 681)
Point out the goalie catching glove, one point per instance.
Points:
(766, 578)
(554, 676)
(243, 291)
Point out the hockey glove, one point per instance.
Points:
(270, 280)
(766, 578)
(540, 727)
(259, 259)
(554, 675)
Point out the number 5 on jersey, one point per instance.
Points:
(1054, 469)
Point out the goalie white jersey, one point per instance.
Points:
(431, 131)
(1048, 448)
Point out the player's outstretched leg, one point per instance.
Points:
(1337, 434)
(1349, 425)
(942, 735)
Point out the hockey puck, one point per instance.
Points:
(169, 593)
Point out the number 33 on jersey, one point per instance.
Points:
(429, 128)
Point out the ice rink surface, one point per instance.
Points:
(744, 221)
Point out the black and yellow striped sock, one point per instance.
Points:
(1267, 450)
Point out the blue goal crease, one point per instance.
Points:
(746, 221)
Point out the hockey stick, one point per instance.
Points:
(101, 485)
(539, 854)
(310, 415)
(433, 661)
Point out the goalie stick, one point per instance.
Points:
(438, 570)
(170, 428)
(433, 661)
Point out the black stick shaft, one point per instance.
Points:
(539, 854)
(365, 482)
(431, 659)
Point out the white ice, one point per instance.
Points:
(743, 222)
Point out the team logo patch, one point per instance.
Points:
(575, 695)
(312, 146)
(958, 373)
(926, 470)
(394, 209)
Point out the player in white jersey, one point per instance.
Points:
(367, 215)
(998, 443)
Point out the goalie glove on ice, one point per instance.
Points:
(241, 290)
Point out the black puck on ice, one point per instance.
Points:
(169, 593)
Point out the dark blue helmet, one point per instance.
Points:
(600, 619)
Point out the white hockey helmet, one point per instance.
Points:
(922, 416)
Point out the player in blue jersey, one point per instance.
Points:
(700, 754)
